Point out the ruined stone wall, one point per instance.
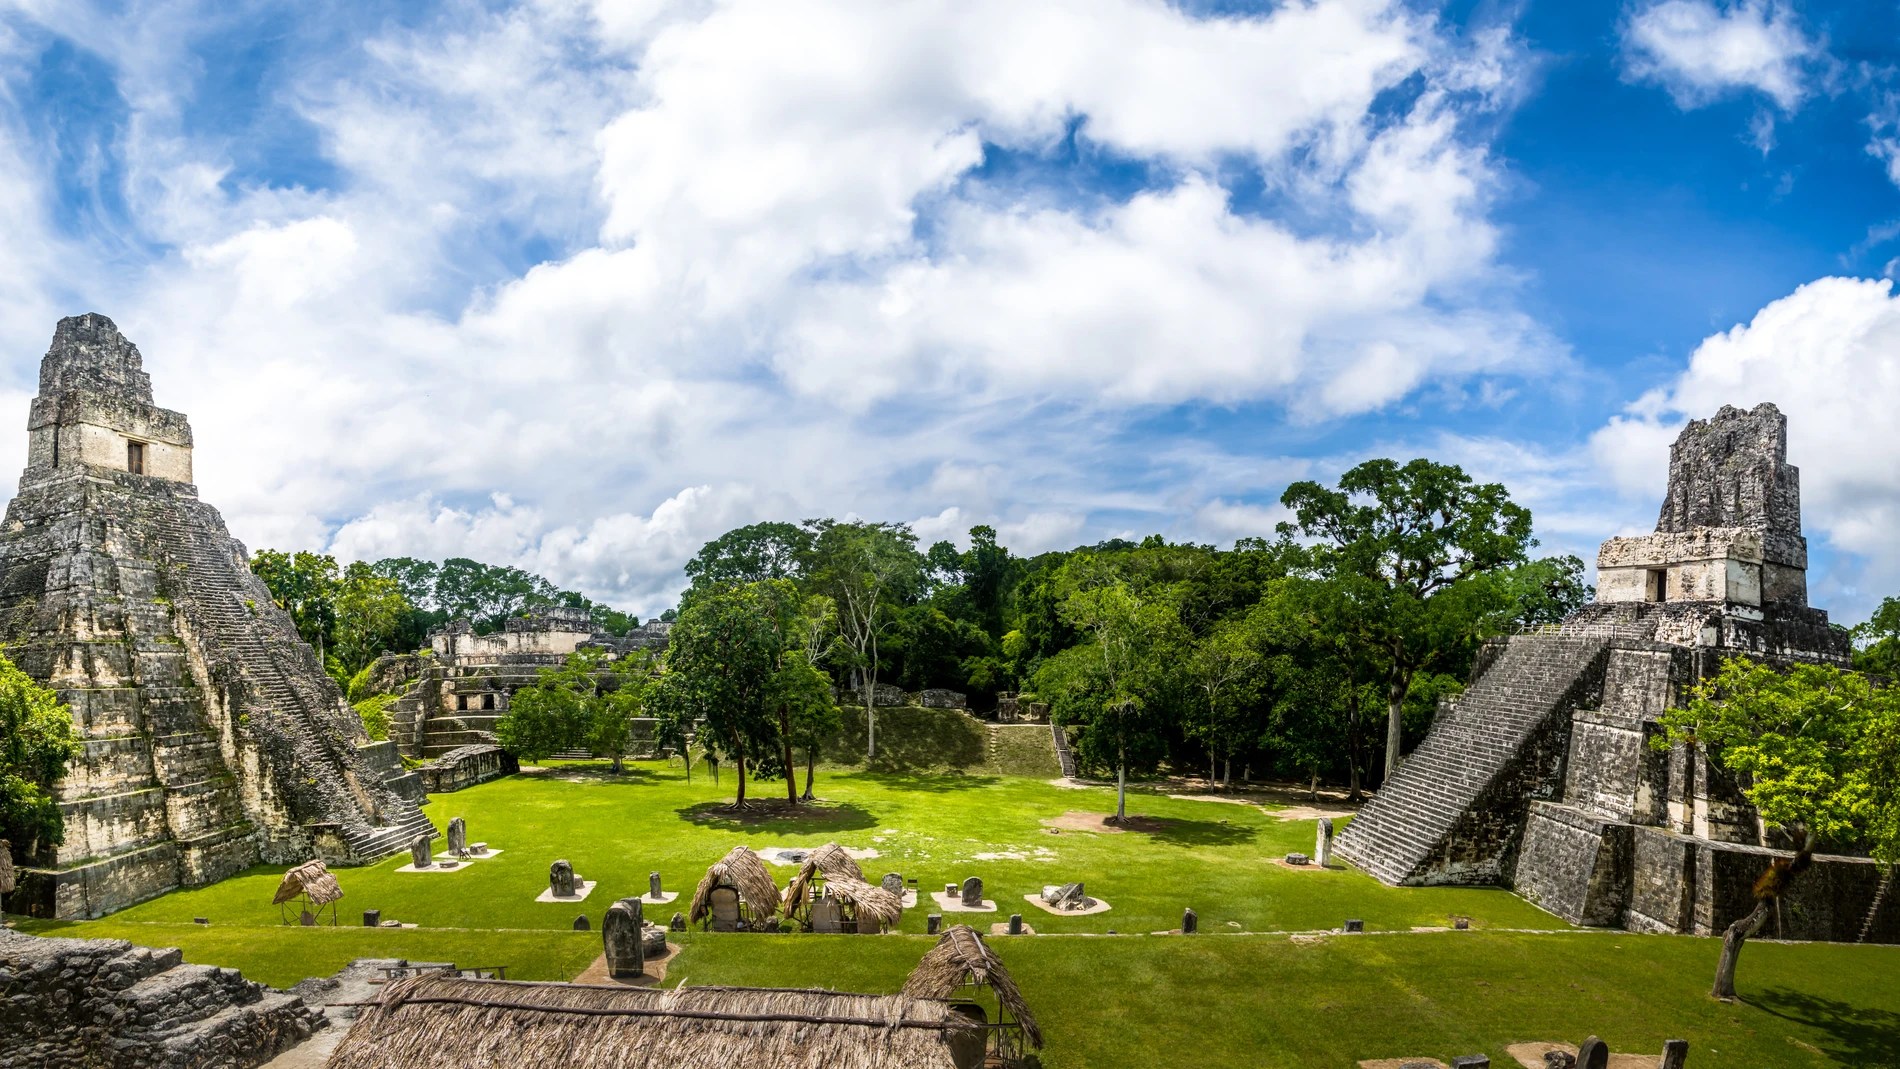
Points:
(85, 1003)
(1732, 471)
(1576, 865)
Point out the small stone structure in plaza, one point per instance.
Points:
(213, 738)
(1541, 776)
(83, 1002)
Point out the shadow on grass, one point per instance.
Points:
(935, 782)
(1201, 833)
(592, 773)
(776, 815)
(1856, 1035)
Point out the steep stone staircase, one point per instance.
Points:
(1482, 739)
(87, 1002)
(1063, 754)
(231, 613)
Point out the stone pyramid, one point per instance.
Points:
(213, 738)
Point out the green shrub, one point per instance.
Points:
(374, 711)
(358, 688)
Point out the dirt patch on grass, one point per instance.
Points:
(653, 970)
(1400, 1063)
(803, 817)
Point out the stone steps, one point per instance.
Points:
(1397, 834)
(105, 1002)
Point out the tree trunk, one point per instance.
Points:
(1227, 774)
(1396, 686)
(1732, 941)
(1121, 786)
(1312, 791)
(739, 802)
(616, 762)
(1357, 792)
(870, 718)
(791, 768)
(811, 765)
(1213, 777)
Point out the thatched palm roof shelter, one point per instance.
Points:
(745, 872)
(437, 1020)
(960, 961)
(311, 878)
(862, 901)
(833, 861)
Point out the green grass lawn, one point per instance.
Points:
(1218, 999)
(1271, 1001)
(937, 827)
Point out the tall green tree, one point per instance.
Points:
(1227, 667)
(37, 742)
(1877, 641)
(1816, 751)
(868, 570)
(722, 658)
(304, 585)
(1414, 546)
(754, 553)
(1117, 683)
(369, 611)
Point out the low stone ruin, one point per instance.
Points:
(419, 851)
(1323, 843)
(972, 893)
(458, 837)
(80, 1003)
(1066, 897)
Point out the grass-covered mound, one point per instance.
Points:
(915, 739)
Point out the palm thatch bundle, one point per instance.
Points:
(745, 872)
(311, 878)
(962, 957)
(833, 861)
(7, 878)
(439, 1021)
(866, 899)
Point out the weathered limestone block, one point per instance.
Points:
(75, 1003)
(458, 837)
(561, 879)
(972, 892)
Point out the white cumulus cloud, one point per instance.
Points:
(1700, 50)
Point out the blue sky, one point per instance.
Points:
(579, 284)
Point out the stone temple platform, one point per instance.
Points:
(1541, 776)
(213, 738)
